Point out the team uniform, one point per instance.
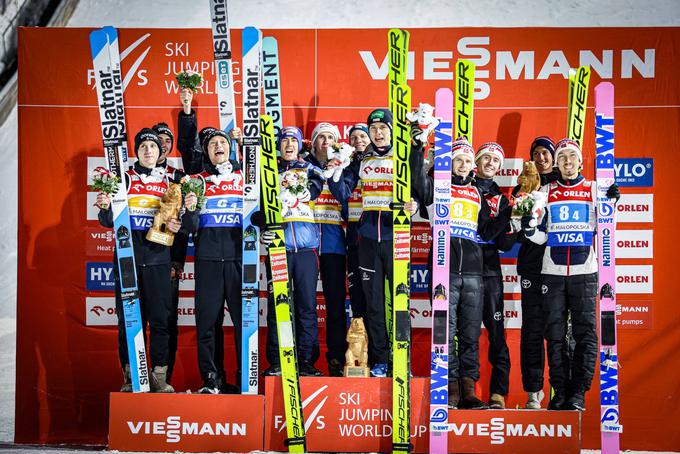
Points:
(217, 270)
(329, 214)
(470, 219)
(302, 242)
(178, 253)
(493, 308)
(145, 188)
(373, 175)
(569, 286)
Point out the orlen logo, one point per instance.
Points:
(313, 418)
(173, 428)
(498, 430)
(134, 71)
(100, 310)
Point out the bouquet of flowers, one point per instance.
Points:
(194, 185)
(189, 79)
(295, 182)
(529, 204)
(522, 204)
(104, 181)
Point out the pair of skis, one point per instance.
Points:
(260, 63)
(610, 426)
(400, 105)
(251, 39)
(257, 54)
(109, 87)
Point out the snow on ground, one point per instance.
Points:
(286, 14)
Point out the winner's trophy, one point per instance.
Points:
(170, 206)
(356, 357)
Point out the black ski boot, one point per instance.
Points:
(558, 400)
(577, 401)
(272, 371)
(335, 368)
(211, 385)
(307, 370)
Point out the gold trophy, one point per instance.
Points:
(170, 206)
(356, 357)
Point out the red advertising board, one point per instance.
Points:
(521, 93)
(354, 415)
(185, 422)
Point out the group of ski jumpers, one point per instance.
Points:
(340, 230)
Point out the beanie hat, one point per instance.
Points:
(147, 134)
(208, 133)
(380, 115)
(163, 128)
(491, 148)
(358, 127)
(325, 127)
(290, 132)
(462, 147)
(565, 145)
(542, 141)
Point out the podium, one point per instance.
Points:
(185, 422)
(355, 415)
(341, 415)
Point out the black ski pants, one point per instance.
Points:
(466, 300)
(216, 282)
(575, 296)
(532, 343)
(303, 273)
(333, 278)
(356, 292)
(375, 264)
(173, 331)
(492, 316)
(153, 282)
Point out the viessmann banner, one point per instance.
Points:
(65, 313)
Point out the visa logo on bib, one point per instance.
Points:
(634, 171)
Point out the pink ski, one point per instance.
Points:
(606, 227)
(439, 365)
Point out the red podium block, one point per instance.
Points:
(185, 422)
(355, 415)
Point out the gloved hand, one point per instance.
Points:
(528, 224)
(304, 196)
(614, 193)
(266, 237)
(415, 133)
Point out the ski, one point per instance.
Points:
(224, 83)
(271, 204)
(400, 105)
(465, 98)
(439, 356)
(578, 101)
(272, 81)
(252, 75)
(109, 84)
(606, 229)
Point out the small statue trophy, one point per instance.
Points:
(356, 357)
(170, 206)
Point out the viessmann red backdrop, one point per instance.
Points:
(66, 339)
